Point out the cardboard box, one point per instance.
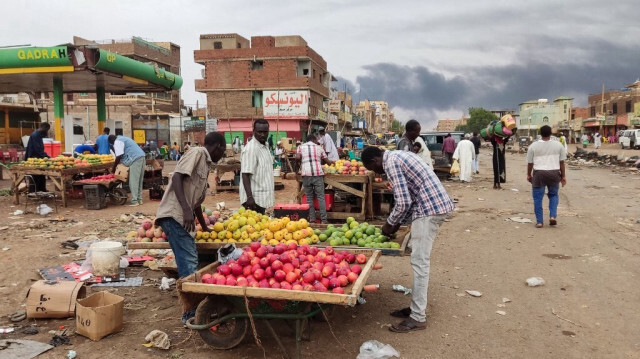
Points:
(99, 315)
(122, 173)
(287, 143)
(53, 299)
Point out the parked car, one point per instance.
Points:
(434, 142)
(630, 139)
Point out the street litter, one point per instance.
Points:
(158, 339)
(506, 300)
(400, 288)
(18, 212)
(18, 316)
(71, 354)
(474, 293)
(22, 349)
(535, 281)
(501, 312)
(519, 220)
(166, 283)
(515, 190)
(7, 330)
(43, 209)
(373, 349)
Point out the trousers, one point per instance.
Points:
(182, 244)
(136, 176)
(538, 195)
(314, 185)
(423, 233)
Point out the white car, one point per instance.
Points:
(630, 139)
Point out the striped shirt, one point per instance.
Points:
(416, 188)
(312, 156)
(257, 160)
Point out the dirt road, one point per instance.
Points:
(588, 308)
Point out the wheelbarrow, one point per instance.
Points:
(223, 317)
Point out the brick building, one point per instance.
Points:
(279, 78)
(124, 109)
(614, 110)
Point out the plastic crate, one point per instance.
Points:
(156, 193)
(95, 196)
(293, 211)
(329, 199)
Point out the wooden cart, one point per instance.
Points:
(403, 236)
(60, 178)
(222, 317)
(348, 183)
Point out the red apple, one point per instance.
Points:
(343, 280)
(244, 260)
(258, 274)
(255, 246)
(295, 262)
(275, 285)
(334, 282)
(296, 287)
(285, 285)
(319, 287)
(268, 272)
(255, 261)
(254, 284)
(350, 258)
(361, 258)
(356, 269)
(308, 277)
(325, 282)
(279, 275)
(264, 262)
(292, 246)
(261, 252)
(328, 259)
(231, 281)
(242, 282)
(343, 271)
(338, 290)
(246, 271)
(236, 269)
(308, 287)
(352, 277)
(224, 269)
(291, 277)
(311, 258)
(288, 267)
(207, 278)
(327, 271)
(313, 250)
(279, 249)
(329, 250)
(221, 280)
(264, 284)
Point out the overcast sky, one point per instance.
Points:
(428, 59)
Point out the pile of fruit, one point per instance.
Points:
(353, 233)
(343, 167)
(56, 163)
(103, 178)
(147, 233)
(93, 160)
(245, 226)
(290, 267)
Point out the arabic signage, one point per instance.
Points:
(34, 57)
(293, 105)
(322, 116)
(334, 106)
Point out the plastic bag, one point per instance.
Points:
(373, 349)
(228, 253)
(455, 168)
(87, 263)
(43, 209)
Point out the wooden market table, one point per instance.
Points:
(58, 177)
(220, 170)
(343, 183)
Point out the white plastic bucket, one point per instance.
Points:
(105, 258)
(276, 172)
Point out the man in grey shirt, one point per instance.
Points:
(411, 132)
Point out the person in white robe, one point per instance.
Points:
(424, 152)
(465, 153)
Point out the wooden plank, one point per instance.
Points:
(343, 187)
(165, 245)
(191, 284)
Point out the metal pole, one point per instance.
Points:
(58, 110)
(101, 109)
(88, 125)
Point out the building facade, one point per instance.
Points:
(279, 78)
(537, 113)
(614, 110)
(383, 116)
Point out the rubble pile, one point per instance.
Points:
(592, 158)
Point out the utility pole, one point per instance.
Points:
(601, 110)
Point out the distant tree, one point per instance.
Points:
(397, 127)
(479, 118)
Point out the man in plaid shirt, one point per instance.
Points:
(416, 191)
(311, 155)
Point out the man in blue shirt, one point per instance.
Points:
(35, 149)
(86, 148)
(131, 155)
(418, 192)
(103, 142)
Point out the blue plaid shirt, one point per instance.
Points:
(416, 188)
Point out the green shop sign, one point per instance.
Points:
(34, 57)
(111, 62)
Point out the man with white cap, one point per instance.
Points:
(329, 147)
(465, 153)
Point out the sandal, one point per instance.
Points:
(408, 325)
(539, 225)
(401, 313)
(552, 221)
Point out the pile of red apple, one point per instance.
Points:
(289, 266)
(108, 177)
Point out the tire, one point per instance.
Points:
(119, 196)
(226, 335)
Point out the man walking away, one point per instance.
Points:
(597, 140)
(132, 156)
(182, 202)
(417, 191)
(477, 142)
(256, 181)
(546, 159)
(311, 156)
(465, 153)
(329, 147)
(585, 140)
(35, 149)
(448, 147)
(102, 142)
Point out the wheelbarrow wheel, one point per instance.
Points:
(224, 335)
(120, 196)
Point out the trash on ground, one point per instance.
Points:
(166, 283)
(32, 330)
(520, 220)
(506, 300)
(7, 330)
(23, 349)
(474, 293)
(501, 312)
(18, 212)
(72, 354)
(373, 349)
(400, 288)
(515, 190)
(60, 339)
(18, 316)
(43, 209)
(158, 339)
(535, 281)
(480, 199)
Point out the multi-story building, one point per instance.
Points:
(278, 78)
(367, 113)
(614, 110)
(125, 110)
(448, 125)
(537, 113)
(578, 115)
(383, 116)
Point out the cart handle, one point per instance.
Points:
(189, 324)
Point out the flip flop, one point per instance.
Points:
(401, 313)
(539, 225)
(408, 325)
(552, 221)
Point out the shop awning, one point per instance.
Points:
(622, 120)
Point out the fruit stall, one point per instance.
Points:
(350, 179)
(284, 282)
(59, 170)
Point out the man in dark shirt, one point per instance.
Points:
(35, 149)
(475, 139)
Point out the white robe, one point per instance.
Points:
(597, 140)
(424, 152)
(465, 154)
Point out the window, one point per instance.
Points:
(217, 45)
(592, 111)
(614, 109)
(257, 65)
(256, 98)
(305, 72)
(84, 94)
(303, 68)
(314, 73)
(119, 132)
(69, 97)
(238, 45)
(565, 108)
(627, 106)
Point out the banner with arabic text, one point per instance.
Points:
(292, 105)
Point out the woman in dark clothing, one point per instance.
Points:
(35, 149)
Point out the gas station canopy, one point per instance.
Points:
(81, 69)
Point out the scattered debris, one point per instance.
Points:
(568, 333)
(501, 312)
(5, 248)
(166, 283)
(18, 316)
(519, 220)
(24, 349)
(18, 212)
(566, 320)
(460, 294)
(556, 256)
(7, 330)
(480, 199)
(60, 339)
(373, 349)
(71, 354)
(474, 293)
(506, 300)
(515, 190)
(535, 281)
(158, 339)
(32, 330)
(400, 288)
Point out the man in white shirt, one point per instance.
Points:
(329, 147)
(256, 182)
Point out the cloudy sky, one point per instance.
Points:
(428, 59)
